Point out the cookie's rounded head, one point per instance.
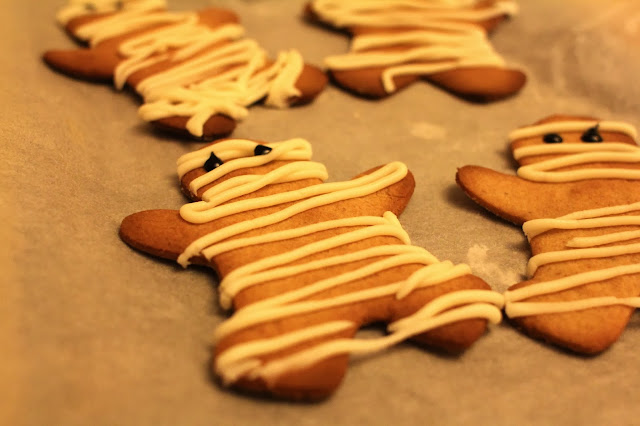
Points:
(567, 129)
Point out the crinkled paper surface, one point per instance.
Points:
(92, 332)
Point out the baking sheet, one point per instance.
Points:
(94, 333)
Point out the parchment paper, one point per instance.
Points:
(92, 332)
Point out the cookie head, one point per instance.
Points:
(565, 164)
(559, 135)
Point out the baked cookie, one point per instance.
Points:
(396, 42)
(304, 264)
(195, 72)
(577, 194)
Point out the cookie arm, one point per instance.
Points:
(480, 84)
(507, 196)
(161, 233)
(310, 83)
(519, 200)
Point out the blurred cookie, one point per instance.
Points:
(395, 43)
(196, 72)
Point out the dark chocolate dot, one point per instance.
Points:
(119, 5)
(261, 150)
(212, 162)
(90, 7)
(591, 135)
(552, 138)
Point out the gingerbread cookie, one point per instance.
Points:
(577, 194)
(196, 72)
(395, 43)
(304, 264)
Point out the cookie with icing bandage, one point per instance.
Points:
(196, 73)
(303, 264)
(395, 43)
(577, 195)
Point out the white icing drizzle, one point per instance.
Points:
(589, 248)
(76, 8)
(213, 70)
(407, 13)
(242, 360)
(442, 35)
(542, 171)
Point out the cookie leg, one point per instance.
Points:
(587, 331)
(458, 336)
(85, 64)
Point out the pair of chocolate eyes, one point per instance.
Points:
(591, 135)
(214, 162)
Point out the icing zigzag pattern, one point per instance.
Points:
(577, 195)
(304, 264)
(196, 72)
(397, 42)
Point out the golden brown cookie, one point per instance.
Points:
(577, 194)
(395, 43)
(304, 264)
(196, 72)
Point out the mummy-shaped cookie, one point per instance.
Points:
(196, 72)
(304, 264)
(397, 42)
(577, 194)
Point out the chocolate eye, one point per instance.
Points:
(261, 150)
(591, 135)
(552, 138)
(119, 5)
(212, 162)
(90, 7)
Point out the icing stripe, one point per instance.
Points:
(568, 282)
(576, 254)
(538, 172)
(521, 309)
(603, 239)
(536, 227)
(588, 249)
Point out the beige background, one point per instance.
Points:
(92, 332)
